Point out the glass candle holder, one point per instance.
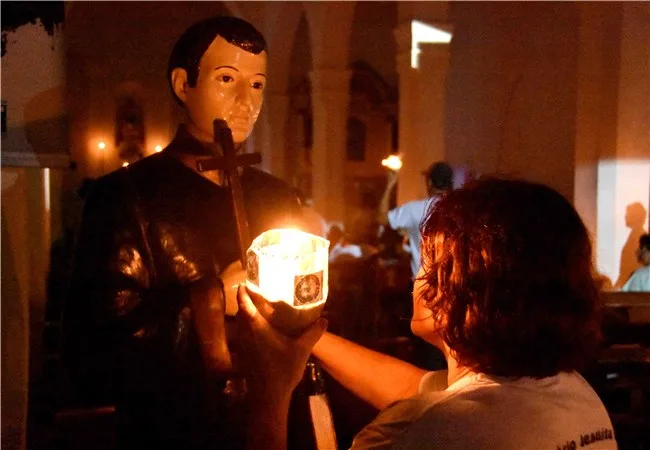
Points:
(288, 270)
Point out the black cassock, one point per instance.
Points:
(148, 232)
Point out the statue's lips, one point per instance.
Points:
(239, 122)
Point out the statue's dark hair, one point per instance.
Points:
(508, 272)
(194, 42)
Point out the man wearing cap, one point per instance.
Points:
(440, 179)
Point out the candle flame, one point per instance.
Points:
(289, 265)
(393, 162)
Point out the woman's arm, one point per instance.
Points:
(273, 365)
(374, 377)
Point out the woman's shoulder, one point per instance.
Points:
(395, 420)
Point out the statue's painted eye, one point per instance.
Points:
(258, 85)
(226, 78)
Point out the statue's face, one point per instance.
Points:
(229, 86)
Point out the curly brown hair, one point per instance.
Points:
(508, 269)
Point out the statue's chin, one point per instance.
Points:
(239, 138)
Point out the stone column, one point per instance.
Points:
(271, 140)
(421, 111)
(410, 186)
(330, 104)
(434, 62)
(25, 263)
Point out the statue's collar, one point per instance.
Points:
(185, 143)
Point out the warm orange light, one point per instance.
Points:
(289, 265)
(101, 145)
(125, 164)
(158, 148)
(393, 162)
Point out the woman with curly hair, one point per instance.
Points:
(506, 291)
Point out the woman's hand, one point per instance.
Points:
(273, 363)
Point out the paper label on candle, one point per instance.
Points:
(308, 288)
(252, 266)
(290, 266)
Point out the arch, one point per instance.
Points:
(367, 81)
(356, 144)
(299, 138)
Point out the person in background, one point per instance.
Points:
(640, 279)
(407, 217)
(515, 331)
(342, 248)
(635, 218)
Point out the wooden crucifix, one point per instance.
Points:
(230, 163)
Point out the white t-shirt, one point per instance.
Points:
(639, 281)
(484, 412)
(408, 217)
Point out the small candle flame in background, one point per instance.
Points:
(393, 162)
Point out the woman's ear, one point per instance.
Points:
(179, 83)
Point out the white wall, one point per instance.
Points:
(33, 85)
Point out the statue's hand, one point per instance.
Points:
(208, 313)
(232, 276)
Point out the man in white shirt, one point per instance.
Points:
(407, 217)
(640, 279)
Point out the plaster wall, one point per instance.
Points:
(372, 37)
(33, 82)
(624, 165)
(511, 101)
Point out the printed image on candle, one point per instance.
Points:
(308, 288)
(252, 266)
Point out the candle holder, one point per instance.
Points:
(287, 275)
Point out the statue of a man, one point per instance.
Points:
(145, 325)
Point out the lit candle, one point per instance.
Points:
(289, 269)
(393, 162)
(101, 145)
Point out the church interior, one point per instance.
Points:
(551, 92)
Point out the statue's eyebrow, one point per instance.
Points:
(236, 69)
(226, 67)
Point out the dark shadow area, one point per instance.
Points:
(621, 373)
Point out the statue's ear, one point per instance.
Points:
(179, 83)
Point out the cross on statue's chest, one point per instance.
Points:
(229, 163)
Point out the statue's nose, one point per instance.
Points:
(243, 96)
